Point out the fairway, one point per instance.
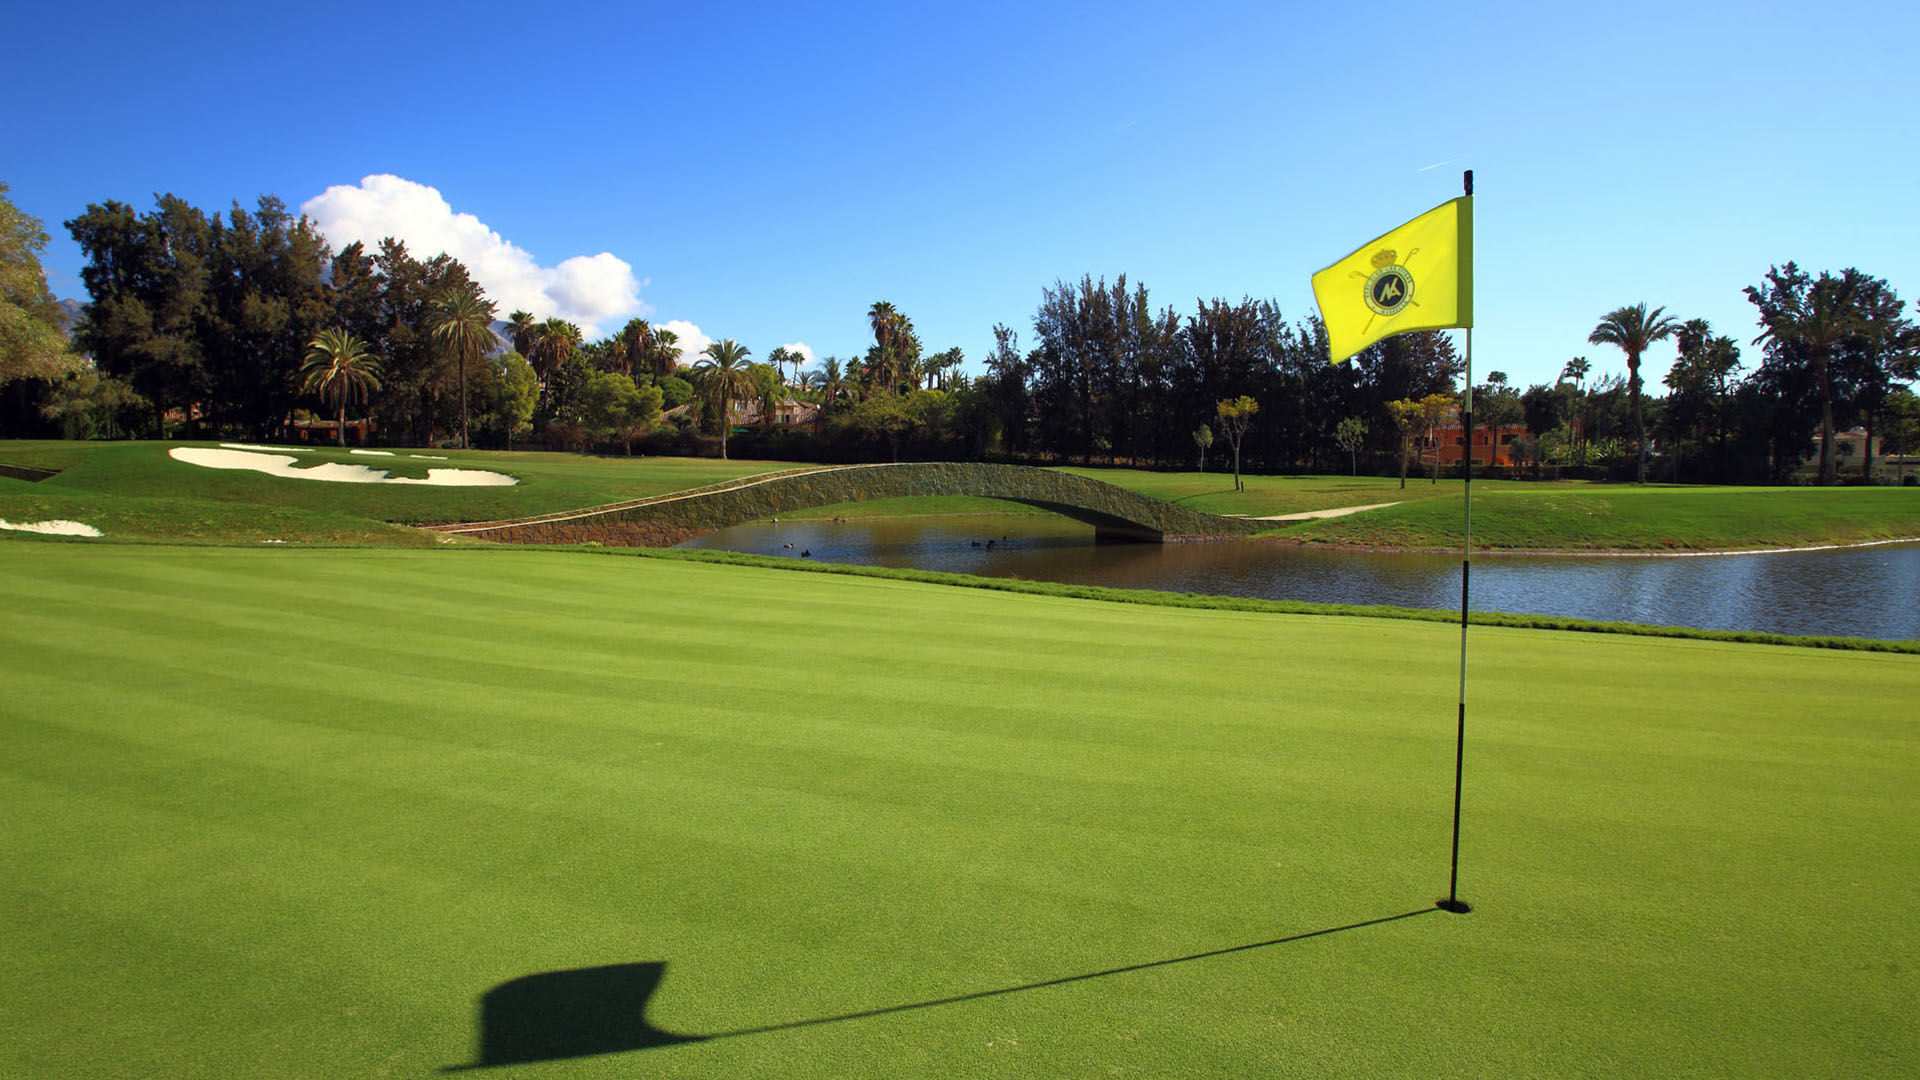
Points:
(291, 813)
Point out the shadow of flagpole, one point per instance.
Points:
(602, 1010)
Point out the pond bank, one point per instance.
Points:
(1583, 553)
(1835, 590)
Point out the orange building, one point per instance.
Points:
(1491, 446)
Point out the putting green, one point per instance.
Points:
(291, 813)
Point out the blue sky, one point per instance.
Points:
(766, 172)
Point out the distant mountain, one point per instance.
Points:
(70, 312)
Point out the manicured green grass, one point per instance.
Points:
(1626, 518)
(289, 813)
(1266, 495)
(1523, 515)
(162, 519)
(170, 501)
(548, 482)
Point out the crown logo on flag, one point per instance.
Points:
(1384, 258)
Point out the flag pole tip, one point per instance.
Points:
(1458, 907)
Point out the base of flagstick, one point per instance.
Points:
(1458, 907)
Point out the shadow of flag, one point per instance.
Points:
(570, 1014)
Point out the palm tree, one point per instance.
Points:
(1815, 316)
(634, 345)
(338, 368)
(904, 364)
(664, 354)
(523, 331)
(554, 341)
(886, 321)
(724, 379)
(1576, 373)
(463, 325)
(832, 385)
(1633, 330)
(779, 358)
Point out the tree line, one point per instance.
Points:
(214, 324)
(210, 325)
(1111, 379)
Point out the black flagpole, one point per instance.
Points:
(1453, 902)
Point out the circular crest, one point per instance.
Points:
(1389, 290)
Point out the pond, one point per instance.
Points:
(1855, 592)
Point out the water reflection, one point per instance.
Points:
(1860, 592)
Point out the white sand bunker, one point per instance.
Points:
(373, 453)
(283, 465)
(57, 527)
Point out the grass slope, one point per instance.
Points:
(288, 813)
(1265, 495)
(175, 520)
(1622, 518)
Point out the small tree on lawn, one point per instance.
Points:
(612, 405)
(1203, 438)
(1236, 415)
(1408, 420)
(1351, 435)
(511, 396)
(1433, 412)
(1900, 429)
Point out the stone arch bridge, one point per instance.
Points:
(664, 520)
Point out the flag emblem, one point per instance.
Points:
(1390, 286)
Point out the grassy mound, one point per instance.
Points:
(291, 813)
(548, 482)
(134, 491)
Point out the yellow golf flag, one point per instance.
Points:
(1417, 277)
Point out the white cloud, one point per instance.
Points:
(691, 341)
(595, 291)
(802, 350)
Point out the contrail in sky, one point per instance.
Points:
(1437, 164)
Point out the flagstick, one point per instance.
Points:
(1453, 902)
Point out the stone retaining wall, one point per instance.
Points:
(26, 472)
